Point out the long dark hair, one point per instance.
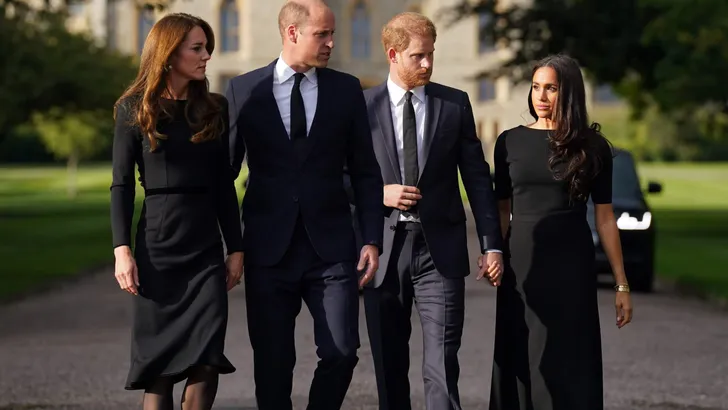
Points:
(574, 142)
(203, 111)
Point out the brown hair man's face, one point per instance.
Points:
(415, 63)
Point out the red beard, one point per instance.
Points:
(416, 78)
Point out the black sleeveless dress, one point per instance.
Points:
(180, 315)
(548, 339)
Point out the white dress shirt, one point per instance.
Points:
(283, 87)
(419, 102)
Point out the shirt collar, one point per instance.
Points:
(396, 93)
(283, 72)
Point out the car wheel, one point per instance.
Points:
(641, 277)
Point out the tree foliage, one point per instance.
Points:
(72, 136)
(668, 53)
(51, 4)
(45, 66)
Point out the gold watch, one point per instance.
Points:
(622, 288)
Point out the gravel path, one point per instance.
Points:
(68, 349)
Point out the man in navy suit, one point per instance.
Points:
(300, 123)
(423, 134)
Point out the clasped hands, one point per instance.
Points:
(404, 197)
(490, 265)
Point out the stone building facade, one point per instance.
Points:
(247, 37)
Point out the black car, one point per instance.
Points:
(635, 221)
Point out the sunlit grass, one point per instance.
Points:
(691, 216)
(45, 234)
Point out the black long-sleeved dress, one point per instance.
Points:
(548, 338)
(180, 315)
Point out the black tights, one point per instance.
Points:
(199, 392)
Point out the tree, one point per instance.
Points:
(51, 4)
(673, 54)
(72, 136)
(46, 66)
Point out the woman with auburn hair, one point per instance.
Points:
(171, 127)
(547, 353)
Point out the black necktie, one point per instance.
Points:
(298, 111)
(409, 126)
(409, 134)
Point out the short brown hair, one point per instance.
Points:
(294, 12)
(398, 32)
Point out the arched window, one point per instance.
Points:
(145, 21)
(360, 32)
(486, 90)
(484, 44)
(229, 18)
(76, 9)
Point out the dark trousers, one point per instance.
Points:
(440, 301)
(273, 299)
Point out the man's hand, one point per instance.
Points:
(234, 267)
(402, 197)
(368, 259)
(491, 264)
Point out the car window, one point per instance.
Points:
(625, 182)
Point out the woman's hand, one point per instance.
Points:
(125, 270)
(491, 265)
(623, 303)
(234, 267)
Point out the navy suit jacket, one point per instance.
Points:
(451, 145)
(285, 182)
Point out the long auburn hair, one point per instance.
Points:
(144, 95)
(574, 142)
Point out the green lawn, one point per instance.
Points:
(691, 216)
(45, 235)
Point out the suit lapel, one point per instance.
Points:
(386, 125)
(434, 106)
(265, 87)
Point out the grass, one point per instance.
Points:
(46, 236)
(692, 224)
(691, 216)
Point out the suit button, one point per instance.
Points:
(393, 227)
(295, 198)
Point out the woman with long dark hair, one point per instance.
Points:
(171, 127)
(548, 340)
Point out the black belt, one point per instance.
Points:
(409, 226)
(177, 191)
